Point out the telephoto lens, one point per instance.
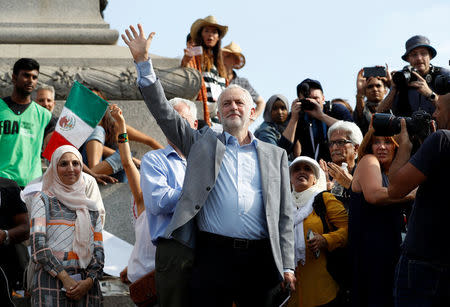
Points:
(442, 84)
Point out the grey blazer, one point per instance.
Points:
(204, 150)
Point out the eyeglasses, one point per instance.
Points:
(338, 143)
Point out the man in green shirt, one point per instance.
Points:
(22, 126)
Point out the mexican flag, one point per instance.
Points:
(81, 114)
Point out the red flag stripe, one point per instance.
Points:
(56, 141)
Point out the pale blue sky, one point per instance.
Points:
(285, 42)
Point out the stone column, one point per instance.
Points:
(54, 22)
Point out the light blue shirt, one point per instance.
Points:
(162, 175)
(235, 207)
(145, 74)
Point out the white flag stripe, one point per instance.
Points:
(73, 128)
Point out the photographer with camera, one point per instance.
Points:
(373, 88)
(423, 272)
(413, 88)
(314, 115)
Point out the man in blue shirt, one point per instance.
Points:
(235, 208)
(162, 175)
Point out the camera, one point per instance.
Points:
(306, 104)
(419, 124)
(442, 84)
(403, 77)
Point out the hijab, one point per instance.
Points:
(269, 105)
(73, 197)
(303, 202)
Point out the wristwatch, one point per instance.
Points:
(432, 97)
(6, 242)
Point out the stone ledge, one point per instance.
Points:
(38, 35)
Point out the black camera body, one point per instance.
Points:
(442, 84)
(403, 77)
(418, 125)
(306, 104)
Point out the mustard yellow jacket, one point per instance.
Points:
(314, 285)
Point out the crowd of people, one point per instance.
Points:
(322, 205)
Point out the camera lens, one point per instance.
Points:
(401, 78)
(385, 124)
(307, 105)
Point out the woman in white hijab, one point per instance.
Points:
(66, 236)
(314, 286)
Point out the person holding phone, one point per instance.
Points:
(315, 286)
(66, 236)
(207, 33)
(419, 92)
(371, 87)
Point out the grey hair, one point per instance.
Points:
(47, 88)
(247, 98)
(352, 130)
(192, 107)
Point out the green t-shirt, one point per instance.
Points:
(21, 142)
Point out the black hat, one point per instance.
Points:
(312, 84)
(418, 41)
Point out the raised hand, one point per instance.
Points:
(421, 85)
(137, 42)
(343, 177)
(361, 83)
(116, 113)
(388, 79)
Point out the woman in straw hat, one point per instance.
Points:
(208, 34)
(66, 236)
(234, 59)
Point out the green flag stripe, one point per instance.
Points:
(85, 104)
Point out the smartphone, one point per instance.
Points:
(197, 50)
(376, 71)
(76, 277)
(309, 236)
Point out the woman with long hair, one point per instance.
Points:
(314, 286)
(375, 224)
(142, 258)
(102, 143)
(208, 34)
(66, 236)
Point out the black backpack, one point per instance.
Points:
(338, 264)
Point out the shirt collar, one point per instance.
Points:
(229, 139)
(169, 150)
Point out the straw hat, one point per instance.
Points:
(236, 50)
(207, 21)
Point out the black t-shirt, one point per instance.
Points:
(17, 108)
(320, 130)
(10, 206)
(428, 225)
(51, 125)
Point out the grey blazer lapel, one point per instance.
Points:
(264, 161)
